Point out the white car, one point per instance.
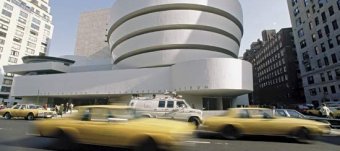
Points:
(167, 108)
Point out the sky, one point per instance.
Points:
(258, 15)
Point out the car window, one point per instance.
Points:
(181, 104)
(243, 114)
(161, 104)
(170, 104)
(23, 107)
(260, 113)
(16, 107)
(294, 114)
(280, 113)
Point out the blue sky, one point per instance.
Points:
(257, 16)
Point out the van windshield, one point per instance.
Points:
(181, 104)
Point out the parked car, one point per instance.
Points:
(27, 111)
(260, 121)
(167, 108)
(115, 126)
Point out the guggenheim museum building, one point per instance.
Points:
(144, 48)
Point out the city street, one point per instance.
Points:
(19, 134)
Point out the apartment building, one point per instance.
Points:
(276, 74)
(317, 37)
(25, 29)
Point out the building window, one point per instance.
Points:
(335, 25)
(323, 16)
(323, 47)
(330, 76)
(22, 28)
(313, 37)
(330, 44)
(17, 39)
(16, 46)
(316, 21)
(337, 74)
(21, 20)
(8, 7)
(310, 80)
(312, 92)
(6, 13)
(327, 30)
(2, 41)
(316, 50)
(322, 76)
(30, 51)
(334, 59)
(298, 22)
(37, 21)
(333, 89)
(3, 34)
(296, 11)
(319, 63)
(1, 49)
(306, 2)
(325, 90)
(308, 14)
(32, 45)
(7, 81)
(3, 26)
(320, 33)
(338, 39)
(303, 44)
(5, 89)
(23, 14)
(331, 11)
(34, 26)
(14, 53)
(19, 33)
(12, 60)
(301, 33)
(294, 2)
(326, 61)
(311, 25)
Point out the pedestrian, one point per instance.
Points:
(71, 107)
(61, 110)
(325, 111)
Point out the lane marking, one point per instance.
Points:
(198, 142)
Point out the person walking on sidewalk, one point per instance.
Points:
(61, 110)
(325, 111)
(71, 107)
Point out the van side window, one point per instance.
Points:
(161, 104)
(170, 104)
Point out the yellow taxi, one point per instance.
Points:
(260, 121)
(27, 111)
(115, 126)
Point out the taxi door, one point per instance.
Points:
(15, 110)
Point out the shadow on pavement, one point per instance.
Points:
(51, 144)
(330, 139)
(281, 139)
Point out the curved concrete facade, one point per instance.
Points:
(157, 29)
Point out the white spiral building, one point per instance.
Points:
(171, 31)
(187, 46)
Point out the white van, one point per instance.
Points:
(167, 108)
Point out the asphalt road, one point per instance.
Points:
(19, 135)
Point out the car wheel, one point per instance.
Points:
(147, 145)
(230, 132)
(30, 116)
(8, 116)
(303, 135)
(195, 121)
(63, 142)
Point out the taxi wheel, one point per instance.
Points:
(8, 116)
(147, 145)
(230, 132)
(63, 142)
(195, 121)
(30, 116)
(302, 135)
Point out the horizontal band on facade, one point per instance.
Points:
(175, 27)
(167, 7)
(174, 46)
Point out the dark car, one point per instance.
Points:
(335, 123)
